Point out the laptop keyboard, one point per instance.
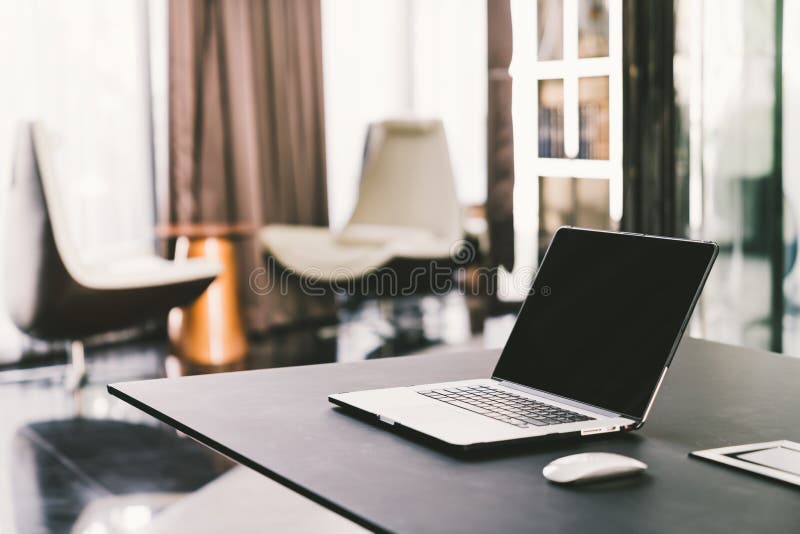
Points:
(505, 406)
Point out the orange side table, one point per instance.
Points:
(210, 331)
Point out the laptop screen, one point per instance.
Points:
(603, 315)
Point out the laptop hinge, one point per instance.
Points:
(556, 398)
(655, 392)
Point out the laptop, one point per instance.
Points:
(587, 354)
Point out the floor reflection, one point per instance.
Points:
(62, 466)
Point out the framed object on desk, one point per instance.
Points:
(774, 459)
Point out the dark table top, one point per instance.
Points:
(280, 423)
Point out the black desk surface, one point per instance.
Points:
(280, 423)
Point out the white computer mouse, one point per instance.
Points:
(589, 466)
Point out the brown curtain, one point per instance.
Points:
(246, 127)
(651, 194)
(500, 138)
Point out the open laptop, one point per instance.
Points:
(587, 355)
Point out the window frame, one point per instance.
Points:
(526, 73)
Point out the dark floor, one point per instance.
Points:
(59, 453)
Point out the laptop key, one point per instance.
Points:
(535, 422)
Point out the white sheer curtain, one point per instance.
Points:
(92, 92)
(82, 68)
(389, 58)
(15, 105)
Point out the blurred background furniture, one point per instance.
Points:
(209, 331)
(407, 209)
(54, 294)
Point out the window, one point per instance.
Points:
(727, 93)
(82, 68)
(567, 110)
(91, 84)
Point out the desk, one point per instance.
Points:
(280, 423)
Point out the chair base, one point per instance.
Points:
(76, 376)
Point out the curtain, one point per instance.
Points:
(500, 139)
(651, 194)
(247, 127)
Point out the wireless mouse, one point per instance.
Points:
(591, 466)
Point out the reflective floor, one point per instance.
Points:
(68, 462)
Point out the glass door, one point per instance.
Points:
(727, 75)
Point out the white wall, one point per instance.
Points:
(390, 58)
(450, 80)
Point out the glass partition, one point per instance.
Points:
(725, 75)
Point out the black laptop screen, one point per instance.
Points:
(603, 315)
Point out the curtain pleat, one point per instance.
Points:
(500, 137)
(650, 189)
(247, 136)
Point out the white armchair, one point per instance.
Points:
(54, 293)
(407, 209)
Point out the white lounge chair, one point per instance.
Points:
(407, 209)
(53, 293)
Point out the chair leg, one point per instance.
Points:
(76, 376)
